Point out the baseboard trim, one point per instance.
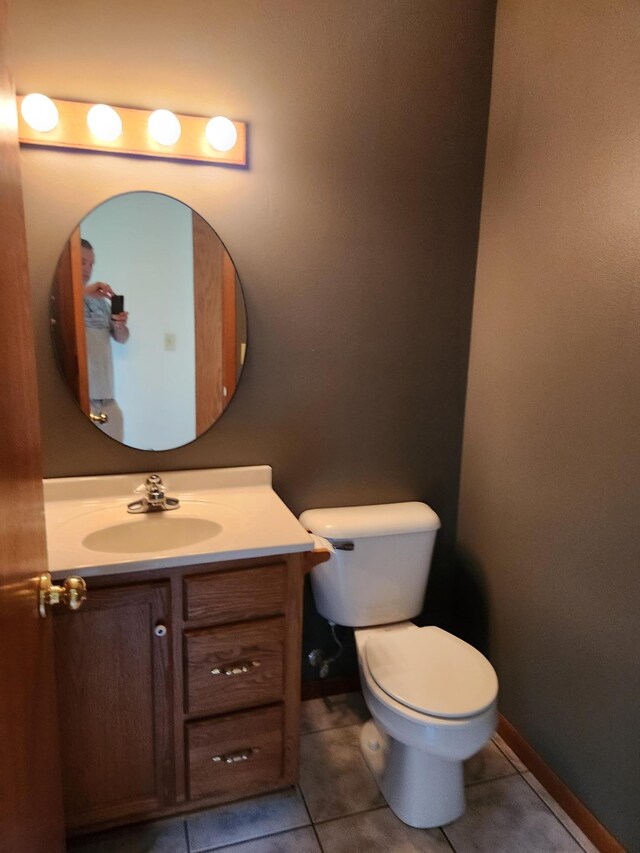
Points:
(320, 687)
(566, 799)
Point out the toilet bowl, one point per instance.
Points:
(432, 697)
(415, 754)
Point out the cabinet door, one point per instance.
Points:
(114, 700)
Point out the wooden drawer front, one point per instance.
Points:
(232, 754)
(251, 653)
(236, 595)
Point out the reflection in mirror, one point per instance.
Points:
(158, 371)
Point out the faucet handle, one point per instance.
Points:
(153, 483)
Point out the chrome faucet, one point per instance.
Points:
(155, 499)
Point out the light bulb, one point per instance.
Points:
(39, 112)
(104, 122)
(164, 127)
(221, 133)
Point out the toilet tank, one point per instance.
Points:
(380, 561)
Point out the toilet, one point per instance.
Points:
(432, 697)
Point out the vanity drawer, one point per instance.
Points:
(236, 595)
(234, 666)
(232, 754)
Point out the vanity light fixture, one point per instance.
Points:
(39, 112)
(123, 130)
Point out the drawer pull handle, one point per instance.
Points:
(235, 668)
(236, 757)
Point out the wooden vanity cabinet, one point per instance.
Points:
(179, 689)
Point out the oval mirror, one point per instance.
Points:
(157, 368)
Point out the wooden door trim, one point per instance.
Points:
(208, 305)
(77, 286)
(68, 327)
(31, 817)
(229, 328)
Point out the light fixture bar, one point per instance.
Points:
(72, 131)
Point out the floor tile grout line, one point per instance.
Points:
(566, 828)
(312, 824)
(304, 802)
(447, 839)
(507, 757)
(317, 837)
(355, 722)
(330, 728)
(254, 838)
(324, 820)
(475, 782)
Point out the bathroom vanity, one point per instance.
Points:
(179, 678)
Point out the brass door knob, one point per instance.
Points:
(72, 593)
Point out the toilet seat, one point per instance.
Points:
(431, 671)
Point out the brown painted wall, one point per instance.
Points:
(354, 231)
(549, 490)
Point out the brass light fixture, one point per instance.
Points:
(56, 123)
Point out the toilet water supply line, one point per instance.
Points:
(317, 657)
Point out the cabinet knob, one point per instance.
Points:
(236, 757)
(160, 630)
(235, 668)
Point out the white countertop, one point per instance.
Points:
(237, 509)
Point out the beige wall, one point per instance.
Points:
(550, 477)
(354, 230)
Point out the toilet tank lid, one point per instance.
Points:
(359, 522)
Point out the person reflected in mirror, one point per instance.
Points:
(101, 327)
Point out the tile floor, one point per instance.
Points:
(337, 807)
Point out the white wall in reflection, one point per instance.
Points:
(144, 249)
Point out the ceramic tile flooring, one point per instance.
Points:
(337, 807)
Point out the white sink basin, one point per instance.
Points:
(112, 530)
(224, 513)
(147, 534)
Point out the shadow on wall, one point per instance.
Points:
(438, 604)
(470, 602)
(316, 634)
